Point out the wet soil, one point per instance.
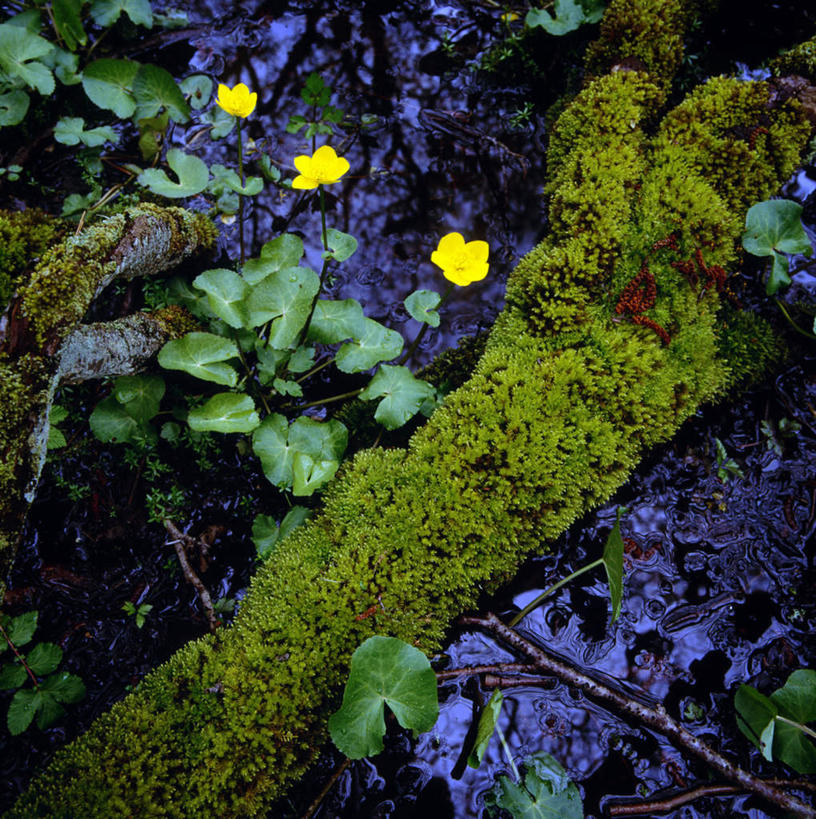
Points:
(719, 574)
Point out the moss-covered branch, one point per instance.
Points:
(612, 336)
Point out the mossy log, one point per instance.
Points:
(613, 334)
(43, 344)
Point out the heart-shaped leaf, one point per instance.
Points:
(108, 83)
(71, 131)
(402, 395)
(198, 88)
(111, 423)
(191, 171)
(140, 395)
(270, 444)
(13, 107)
(420, 306)
(568, 16)
(384, 671)
(227, 179)
(155, 89)
(20, 54)
(267, 535)
(309, 474)
(376, 343)
(226, 292)
(285, 296)
(106, 12)
(203, 355)
(341, 245)
(334, 321)
(225, 412)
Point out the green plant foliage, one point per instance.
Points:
(267, 534)
(727, 467)
(192, 173)
(198, 88)
(56, 438)
(777, 725)
(488, 718)
(68, 22)
(71, 131)
(335, 321)
(402, 395)
(569, 15)
(421, 306)
(613, 564)
(225, 412)
(774, 228)
(106, 12)
(375, 344)
(546, 792)
(226, 292)
(384, 671)
(140, 394)
(124, 416)
(21, 55)
(109, 84)
(284, 297)
(13, 107)
(225, 179)
(203, 355)
(139, 612)
(341, 245)
(154, 90)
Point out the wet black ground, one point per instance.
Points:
(719, 576)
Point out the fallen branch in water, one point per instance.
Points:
(654, 716)
(178, 543)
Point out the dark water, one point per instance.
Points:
(719, 576)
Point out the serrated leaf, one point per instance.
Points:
(402, 395)
(154, 89)
(488, 718)
(225, 412)
(613, 563)
(21, 710)
(108, 83)
(71, 131)
(56, 439)
(334, 321)
(191, 171)
(13, 107)
(68, 22)
(375, 344)
(285, 297)
(20, 52)
(285, 387)
(384, 671)
(44, 658)
(226, 292)
(21, 629)
(12, 675)
(420, 306)
(341, 245)
(106, 12)
(568, 16)
(49, 711)
(203, 355)
(140, 395)
(64, 687)
(301, 359)
(198, 88)
(546, 793)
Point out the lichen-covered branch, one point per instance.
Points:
(42, 343)
(566, 399)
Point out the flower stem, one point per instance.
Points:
(240, 196)
(323, 271)
(415, 343)
(334, 398)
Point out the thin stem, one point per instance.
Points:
(803, 728)
(314, 370)
(240, 196)
(795, 326)
(332, 399)
(537, 602)
(507, 753)
(19, 657)
(424, 329)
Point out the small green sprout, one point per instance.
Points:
(140, 612)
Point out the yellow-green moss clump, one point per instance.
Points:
(24, 235)
(799, 60)
(569, 393)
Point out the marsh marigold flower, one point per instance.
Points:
(236, 101)
(461, 263)
(323, 167)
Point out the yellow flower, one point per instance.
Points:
(236, 101)
(461, 263)
(509, 17)
(322, 168)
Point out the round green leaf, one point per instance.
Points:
(13, 107)
(20, 51)
(106, 12)
(341, 245)
(44, 658)
(420, 306)
(270, 444)
(568, 16)
(155, 89)
(320, 440)
(285, 250)
(199, 89)
(375, 344)
(334, 321)
(140, 395)
(225, 412)
(309, 475)
(108, 83)
(384, 671)
(402, 395)
(202, 355)
(191, 171)
(285, 296)
(226, 292)
(775, 225)
(265, 535)
(71, 131)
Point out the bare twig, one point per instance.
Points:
(655, 717)
(326, 788)
(509, 668)
(653, 806)
(179, 539)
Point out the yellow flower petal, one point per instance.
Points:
(303, 183)
(323, 167)
(304, 164)
(461, 263)
(237, 101)
(478, 250)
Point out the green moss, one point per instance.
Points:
(800, 60)
(24, 235)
